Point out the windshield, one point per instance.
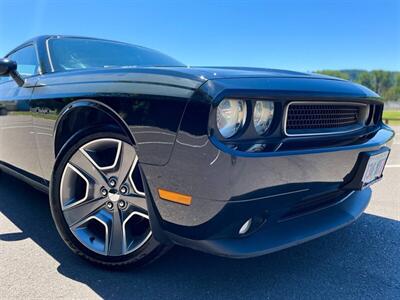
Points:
(81, 53)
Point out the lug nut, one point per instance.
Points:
(112, 182)
(104, 192)
(121, 204)
(110, 205)
(124, 189)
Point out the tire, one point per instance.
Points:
(93, 216)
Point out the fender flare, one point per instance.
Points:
(88, 104)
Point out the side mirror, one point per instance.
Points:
(9, 68)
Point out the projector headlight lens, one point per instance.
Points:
(231, 116)
(263, 115)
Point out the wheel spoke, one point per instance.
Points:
(137, 202)
(81, 211)
(116, 242)
(80, 161)
(126, 157)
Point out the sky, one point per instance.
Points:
(302, 35)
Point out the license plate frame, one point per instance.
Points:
(374, 169)
(357, 178)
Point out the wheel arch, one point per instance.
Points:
(102, 114)
(82, 114)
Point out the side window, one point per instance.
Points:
(27, 61)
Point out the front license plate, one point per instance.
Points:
(374, 169)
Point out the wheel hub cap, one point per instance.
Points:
(114, 196)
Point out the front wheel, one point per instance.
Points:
(98, 202)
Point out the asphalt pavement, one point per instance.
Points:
(360, 261)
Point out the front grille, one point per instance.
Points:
(315, 118)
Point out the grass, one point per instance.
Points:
(392, 114)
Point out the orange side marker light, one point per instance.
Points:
(175, 197)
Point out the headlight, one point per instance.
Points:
(231, 116)
(263, 115)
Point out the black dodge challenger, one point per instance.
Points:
(139, 152)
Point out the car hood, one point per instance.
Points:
(213, 78)
(209, 73)
(219, 79)
(189, 77)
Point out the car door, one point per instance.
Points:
(17, 136)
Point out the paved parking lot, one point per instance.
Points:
(360, 261)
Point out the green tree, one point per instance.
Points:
(393, 93)
(378, 80)
(366, 79)
(334, 73)
(385, 83)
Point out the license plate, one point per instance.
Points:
(374, 169)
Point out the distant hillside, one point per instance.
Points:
(385, 83)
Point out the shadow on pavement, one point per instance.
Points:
(359, 261)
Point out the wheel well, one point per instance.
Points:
(79, 117)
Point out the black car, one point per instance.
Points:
(139, 152)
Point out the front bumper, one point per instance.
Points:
(297, 195)
(274, 236)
